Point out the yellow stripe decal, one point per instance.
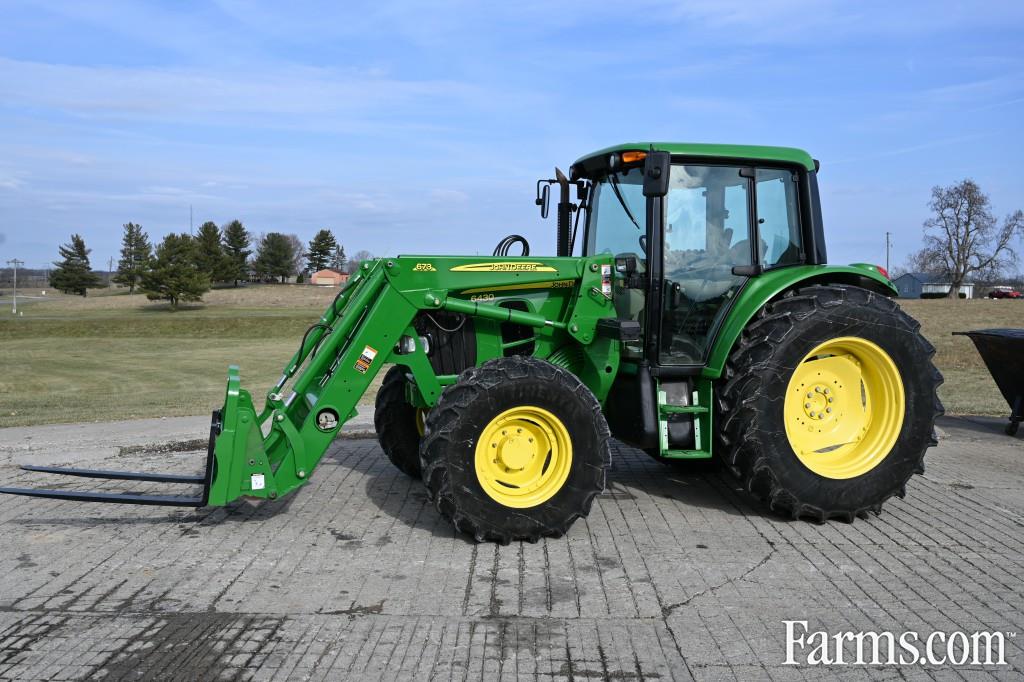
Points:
(555, 284)
(507, 266)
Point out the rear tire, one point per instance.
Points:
(531, 489)
(396, 423)
(760, 433)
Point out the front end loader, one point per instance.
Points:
(700, 319)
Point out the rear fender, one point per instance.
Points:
(769, 285)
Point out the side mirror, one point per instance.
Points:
(543, 197)
(657, 168)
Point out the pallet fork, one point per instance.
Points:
(205, 479)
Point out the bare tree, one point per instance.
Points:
(298, 253)
(353, 263)
(963, 238)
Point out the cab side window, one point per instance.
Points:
(778, 217)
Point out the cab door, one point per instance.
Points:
(722, 224)
(707, 234)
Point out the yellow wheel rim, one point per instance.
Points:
(523, 457)
(844, 407)
(421, 423)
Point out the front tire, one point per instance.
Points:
(399, 425)
(829, 403)
(515, 450)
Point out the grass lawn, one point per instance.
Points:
(109, 357)
(114, 356)
(969, 388)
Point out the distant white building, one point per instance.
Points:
(923, 284)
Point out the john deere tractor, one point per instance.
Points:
(699, 319)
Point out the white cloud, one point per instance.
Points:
(225, 96)
(448, 196)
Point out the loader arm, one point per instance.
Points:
(269, 451)
(357, 335)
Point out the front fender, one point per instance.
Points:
(767, 286)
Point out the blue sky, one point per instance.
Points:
(421, 127)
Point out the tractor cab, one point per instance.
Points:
(688, 226)
(684, 254)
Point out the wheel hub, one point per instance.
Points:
(819, 402)
(515, 451)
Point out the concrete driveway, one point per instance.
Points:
(676, 574)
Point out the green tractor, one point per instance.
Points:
(699, 320)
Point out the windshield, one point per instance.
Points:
(617, 214)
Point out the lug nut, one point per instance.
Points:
(829, 410)
(807, 405)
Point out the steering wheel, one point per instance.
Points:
(711, 271)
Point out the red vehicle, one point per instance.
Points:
(1005, 292)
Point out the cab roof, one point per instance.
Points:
(787, 155)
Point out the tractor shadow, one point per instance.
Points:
(971, 427)
(698, 484)
(633, 475)
(240, 511)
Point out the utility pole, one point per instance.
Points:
(887, 245)
(190, 220)
(110, 268)
(14, 301)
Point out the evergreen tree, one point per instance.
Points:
(173, 275)
(73, 274)
(135, 254)
(338, 259)
(321, 249)
(275, 256)
(236, 249)
(210, 257)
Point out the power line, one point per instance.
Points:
(14, 301)
(888, 244)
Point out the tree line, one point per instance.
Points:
(183, 267)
